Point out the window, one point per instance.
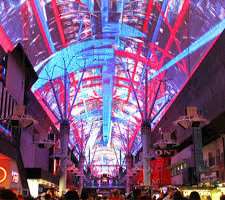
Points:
(205, 163)
(178, 168)
(211, 159)
(218, 156)
(221, 157)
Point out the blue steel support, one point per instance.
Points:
(159, 22)
(145, 127)
(55, 95)
(159, 111)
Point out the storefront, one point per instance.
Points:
(9, 175)
(214, 193)
(40, 182)
(39, 187)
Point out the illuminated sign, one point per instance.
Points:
(15, 177)
(3, 174)
(211, 176)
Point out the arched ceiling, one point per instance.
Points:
(91, 57)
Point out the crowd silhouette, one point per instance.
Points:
(136, 194)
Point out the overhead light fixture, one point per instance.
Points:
(191, 119)
(19, 118)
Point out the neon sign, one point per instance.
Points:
(15, 177)
(3, 175)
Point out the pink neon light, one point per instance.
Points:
(166, 54)
(5, 41)
(147, 16)
(59, 23)
(173, 32)
(140, 45)
(134, 56)
(49, 113)
(188, 79)
(40, 26)
(165, 51)
(134, 136)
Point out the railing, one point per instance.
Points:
(7, 105)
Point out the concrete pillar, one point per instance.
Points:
(129, 172)
(145, 132)
(198, 156)
(64, 137)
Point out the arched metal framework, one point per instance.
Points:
(91, 57)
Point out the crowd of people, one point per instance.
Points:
(6, 194)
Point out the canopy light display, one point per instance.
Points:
(91, 56)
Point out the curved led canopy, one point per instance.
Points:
(91, 58)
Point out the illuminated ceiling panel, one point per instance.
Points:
(91, 58)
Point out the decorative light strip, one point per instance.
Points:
(204, 39)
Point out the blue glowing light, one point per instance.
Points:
(204, 39)
(105, 13)
(108, 72)
(159, 22)
(76, 58)
(45, 25)
(102, 39)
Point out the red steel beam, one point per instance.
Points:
(76, 134)
(147, 16)
(59, 23)
(40, 25)
(134, 57)
(188, 79)
(140, 45)
(134, 136)
(49, 112)
(173, 31)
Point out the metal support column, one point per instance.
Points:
(145, 132)
(81, 171)
(64, 137)
(129, 173)
(198, 156)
